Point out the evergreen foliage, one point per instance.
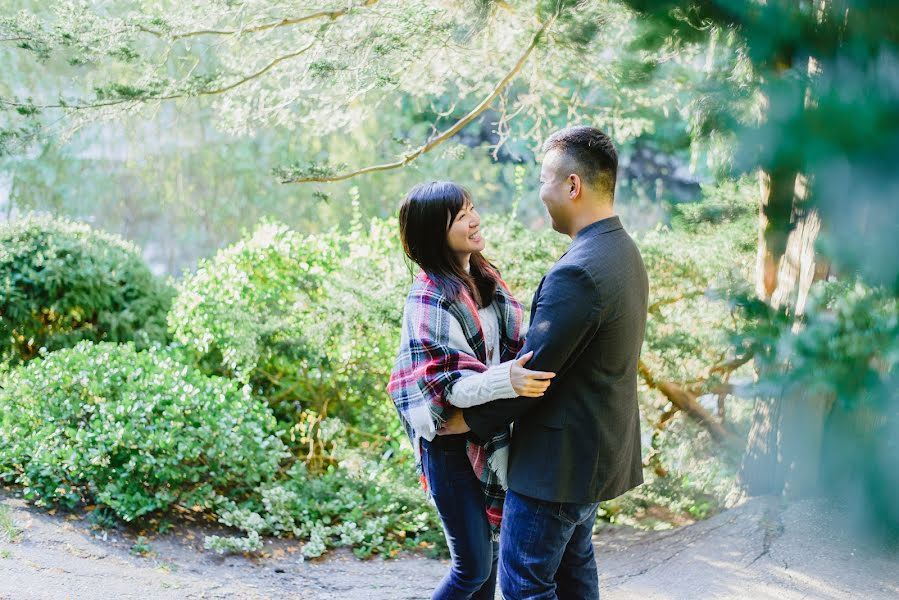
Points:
(137, 432)
(62, 282)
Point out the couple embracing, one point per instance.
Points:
(521, 436)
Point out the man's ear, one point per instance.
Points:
(574, 185)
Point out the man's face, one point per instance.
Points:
(555, 190)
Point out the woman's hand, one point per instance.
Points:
(526, 382)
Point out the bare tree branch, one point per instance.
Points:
(666, 417)
(330, 14)
(685, 400)
(447, 134)
(730, 366)
(146, 98)
(503, 131)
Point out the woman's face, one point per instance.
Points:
(464, 234)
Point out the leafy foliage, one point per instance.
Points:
(695, 266)
(363, 504)
(807, 88)
(350, 75)
(825, 104)
(62, 282)
(310, 321)
(135, 431)
(847, 351)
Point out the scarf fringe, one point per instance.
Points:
(499, 464)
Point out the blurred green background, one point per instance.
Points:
(197, 216)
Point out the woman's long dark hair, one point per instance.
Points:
(425, 218)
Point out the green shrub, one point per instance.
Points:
(62, 282)
(137, 432)
(726, 202)
(363, 504)
(311, 322)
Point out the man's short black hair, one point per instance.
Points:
(592, 153)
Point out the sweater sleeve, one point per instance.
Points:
(564, 315)
(479, 388)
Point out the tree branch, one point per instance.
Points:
(686, 401)
(330, 14)
(730, 366)
(447, 134)
(248, 78)
(147, 98)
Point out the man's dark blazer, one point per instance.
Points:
(580, 442)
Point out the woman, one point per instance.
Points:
(461, 333)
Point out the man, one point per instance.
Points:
(580, 443)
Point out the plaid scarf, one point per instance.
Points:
(428, 364)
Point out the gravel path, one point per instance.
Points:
(759, 550)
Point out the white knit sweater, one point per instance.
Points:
(494, 383)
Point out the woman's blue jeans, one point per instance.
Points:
(460, 503)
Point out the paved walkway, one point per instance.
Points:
(760, 550)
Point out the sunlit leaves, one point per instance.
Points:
(135, 431)
(62, 281)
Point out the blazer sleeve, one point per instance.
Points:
(564, 312)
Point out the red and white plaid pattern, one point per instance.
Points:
(429, 362)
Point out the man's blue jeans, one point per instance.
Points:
(460, 503)
(546, 550)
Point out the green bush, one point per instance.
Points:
(62, 282)
(362, 504)
(726, 202)
(311, 322)
(137, 432)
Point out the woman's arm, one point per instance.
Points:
(507, 380)
(477, 388)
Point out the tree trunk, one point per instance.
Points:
(783, 454)
(783, 451)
